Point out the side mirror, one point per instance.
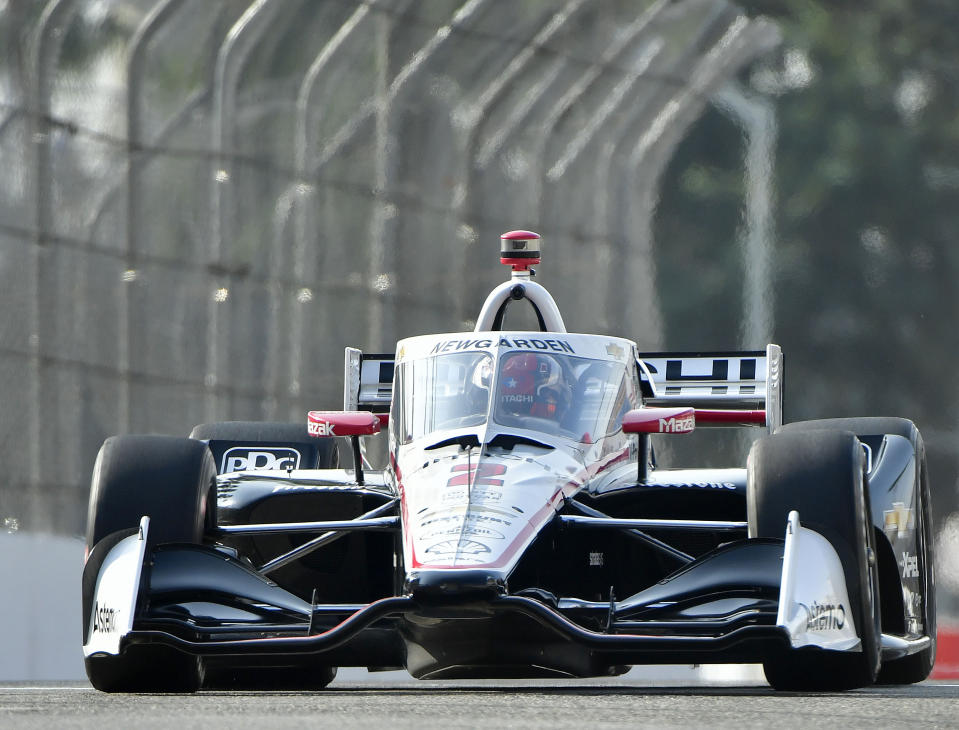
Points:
(342, 423)
(345, 423)
(660, 420)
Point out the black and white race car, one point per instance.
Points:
(521, 527)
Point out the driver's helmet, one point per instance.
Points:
(532, 384)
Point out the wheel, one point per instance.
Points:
(145, 668)
(165, 477)
(170, 479)
(915, 667)
(821, 475)
(316, 453)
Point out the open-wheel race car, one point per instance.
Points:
(520, 528)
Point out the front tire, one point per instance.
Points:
(170, 480)
(915, 667)
(821, 475)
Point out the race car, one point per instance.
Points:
(519, 525)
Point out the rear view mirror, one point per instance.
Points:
(343, 423)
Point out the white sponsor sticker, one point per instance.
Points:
(677, 425)
(246, 458)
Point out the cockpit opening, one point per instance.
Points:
(554, 393)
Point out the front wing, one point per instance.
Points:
(741, 603)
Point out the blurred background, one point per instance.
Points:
(202, 202)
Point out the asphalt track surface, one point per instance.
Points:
(369, 702)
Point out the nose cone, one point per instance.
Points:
(463, 526)
(442, 586)
(469, 520)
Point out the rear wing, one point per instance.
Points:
(367, 381)
(728, 381)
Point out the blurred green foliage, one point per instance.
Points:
(866, 187)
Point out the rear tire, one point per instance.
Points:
(170, 480)
(821, 475)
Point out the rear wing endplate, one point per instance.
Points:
(747, 381)
(367, 381)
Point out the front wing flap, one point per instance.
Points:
(813, 601)
(110, 611)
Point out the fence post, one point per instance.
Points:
(475, 114)
(653, 150)
(383, 228)
(757, 118)
(136, 52)
(304, 192)
(237, 45)
(46, 48)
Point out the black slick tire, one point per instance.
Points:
(915, 667)
(821, 475)
(170, 480)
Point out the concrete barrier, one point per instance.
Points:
(40, 607)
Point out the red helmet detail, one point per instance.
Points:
(528, 385)
(518, 382)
